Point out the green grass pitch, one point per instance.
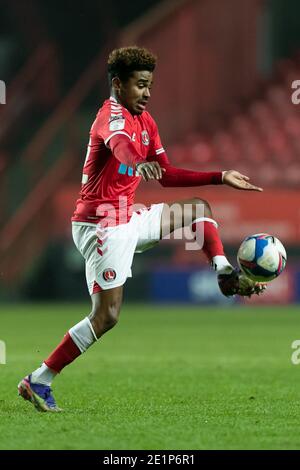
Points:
(163, 378)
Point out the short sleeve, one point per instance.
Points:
(112, 119)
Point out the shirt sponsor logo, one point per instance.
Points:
(125, 170)
(109, 275)
(145, 138)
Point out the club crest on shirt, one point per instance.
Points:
(109, 275)
(145, 138)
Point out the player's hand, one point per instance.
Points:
(237, 180)
(150, 170)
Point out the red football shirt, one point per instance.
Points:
(108, 186)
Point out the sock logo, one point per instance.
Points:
(2, 352)
(109, 275)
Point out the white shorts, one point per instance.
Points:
(108, 252)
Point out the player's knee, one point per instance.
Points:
(112, 316)
(205, 204)
(103, 319)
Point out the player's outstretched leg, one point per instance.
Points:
(36, 387)
(231, 281)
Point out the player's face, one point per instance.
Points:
(135, 93)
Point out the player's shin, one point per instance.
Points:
(76, 341)
(207, 230)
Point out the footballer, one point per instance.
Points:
(124, 149)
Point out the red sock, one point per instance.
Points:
(212, 244)
(64, 354)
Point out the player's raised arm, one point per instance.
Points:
(123, 149)
(173, 176)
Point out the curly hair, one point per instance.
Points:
(126, 60)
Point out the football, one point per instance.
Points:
(261, 257)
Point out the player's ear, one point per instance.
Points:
(116, 84)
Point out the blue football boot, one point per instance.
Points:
(38, 394)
